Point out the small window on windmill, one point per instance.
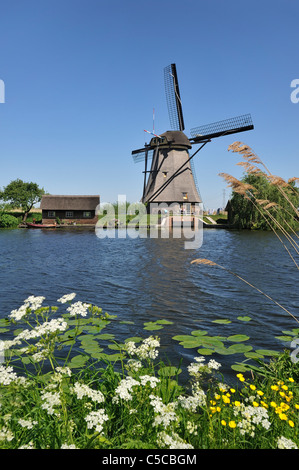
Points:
(164, 174)
(185, 196)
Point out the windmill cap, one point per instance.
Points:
(176, 139)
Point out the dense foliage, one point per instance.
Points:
(246, 212)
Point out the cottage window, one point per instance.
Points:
(51, 213)
(185, 195)
(87, 214)
(69, 213)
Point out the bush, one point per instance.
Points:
(8, 221)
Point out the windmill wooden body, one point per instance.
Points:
(171, 178)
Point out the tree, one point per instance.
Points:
(264, 204)
(23, 195)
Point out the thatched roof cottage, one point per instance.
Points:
(69, 209)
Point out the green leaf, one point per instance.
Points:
(267, 352)
(285, 338)
(253, 355)
(77, 361)
(105, 336)
(222, 321)
(239, 368)
(134, 339)
(205, 351)
(152, 326)
(238, 338)
(164, 322)
(244, 318)
(4, 330)
(199, 332)
(239, 348)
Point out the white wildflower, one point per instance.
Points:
(68, 446)
(133, 365)
(50, 399)
(30, 445)
(146, 350)
(27, 423)
(172, 442)
(165, 414)
(124, 389)
(78, 308)
(284, 443)
(82, 390)
(96, 420)
(7, 375)
(6, 434)
(192, 402)
(153, 381)
(212, 364)
(66, 298)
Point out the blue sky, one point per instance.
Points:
(82, 79)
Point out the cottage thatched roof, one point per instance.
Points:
(85, 203)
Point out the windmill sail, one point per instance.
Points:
(173, 98)
(221, 128)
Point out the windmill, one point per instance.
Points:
(171, 177)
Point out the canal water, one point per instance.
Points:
(149, 279)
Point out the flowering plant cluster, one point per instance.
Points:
(80, 401)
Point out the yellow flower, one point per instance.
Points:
(282, 394)
(225, 399)
(260, 393)
(232, 424)
(273, 404)
(217, 396)
(284, 387)
(283, 416)
(255, 403)
(264, 404)
(213, 402)
(284, 406)
(291, 423)
(297, 406)
(253, 387)
(218, 409)
(232, 390)
(241, 377)
(291, 379)
(274, 387)
(237, 403)
(223, 422)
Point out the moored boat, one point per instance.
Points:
(34, 225)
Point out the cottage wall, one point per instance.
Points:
(76, 219)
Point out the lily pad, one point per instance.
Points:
(253, 355)
(285, 338)
(199, 332)
(245, 318)
(238, 338)
(267, 352)
(205, 351)
(239, 348)
(77, 362)
(152, 326)
(222, 321)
